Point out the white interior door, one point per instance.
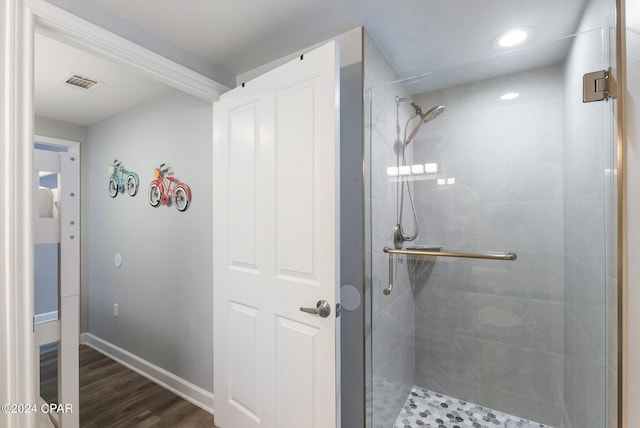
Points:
(276, 249)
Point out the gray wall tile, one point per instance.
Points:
(449, 385)
(447, 353)
(485, 329)
(523, 406)
(523, 371)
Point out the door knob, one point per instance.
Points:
(323, 308)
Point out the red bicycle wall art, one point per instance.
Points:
(167, 190)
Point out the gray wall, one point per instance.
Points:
(589, 263)
(391, 335)
(163, 288)
(55, 128)
(490, 332)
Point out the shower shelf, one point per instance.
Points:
(436, 252)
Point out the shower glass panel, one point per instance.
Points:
(515, 164)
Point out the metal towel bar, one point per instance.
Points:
(509, 256)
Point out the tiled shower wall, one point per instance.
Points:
(491, 332)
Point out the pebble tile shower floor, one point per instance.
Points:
(427, 409)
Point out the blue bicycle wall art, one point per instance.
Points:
(121, 180)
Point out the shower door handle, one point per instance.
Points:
(323, 308)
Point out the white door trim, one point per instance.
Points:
(18, 23)
(73, 146)
(17, 371)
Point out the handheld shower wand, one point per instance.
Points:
(399, 235)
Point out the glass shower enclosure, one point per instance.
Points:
(502, 311)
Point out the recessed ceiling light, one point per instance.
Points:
(509, 96)
(513, 37)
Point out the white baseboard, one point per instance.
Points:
(45, 317)
(190, 392)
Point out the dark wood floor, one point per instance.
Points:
(113, 396)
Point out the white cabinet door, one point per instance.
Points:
(276, 248)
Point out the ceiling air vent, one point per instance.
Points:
(81, 82)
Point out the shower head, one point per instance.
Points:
(432, 114)
(424, 118)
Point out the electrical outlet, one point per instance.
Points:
(115, 310)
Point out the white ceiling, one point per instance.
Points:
(120, 90)
(415, 35)
(451, 37)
